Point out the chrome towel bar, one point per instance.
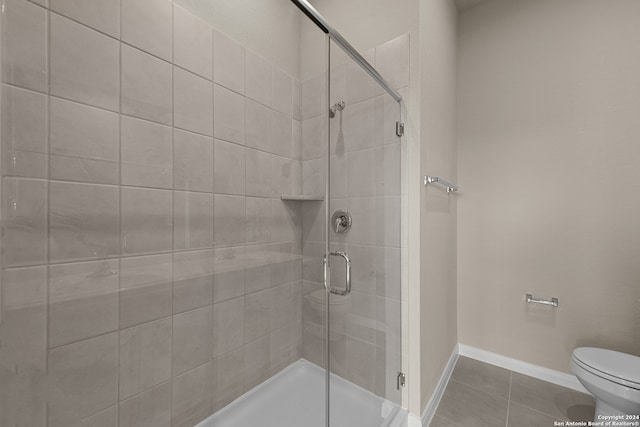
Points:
(436, 179)
(553, 302)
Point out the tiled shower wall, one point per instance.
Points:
(150, 271)
(365, 164)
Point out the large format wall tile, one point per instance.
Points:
(24, 133)
(192, 280)
(192, 102)
(102, 15)
(24, 325)
(313, 102)
(83, 143)
(297, 100)
(388, 170)
(228, 326)
(228, 115)
(256, 362)
(126, 270)
(258, 79)
(24, 220)
(229, 168)
(83, 221)
(229, 279)
(145, 289)
(257, 131)
(24, 45)
(360, 85)
(228, 220)
(146, 24)
(281, 92)
(145, 357)
(151, 408)
(84, 64)
(281, 138)
(228, 62)
(314, 131)
(392, 61)
(191, 401)
(146, 151)
(282, 176)
(387, 114)
(146, 221)
(84, 379)
(192, 162)
(258, 220)
(258, 176)
(83, 301)
(257, 275)
(360, 125)
(192, 43)
(257, 312)
(361, 173)
(192, 220)
(228, 378)
(146, 86)
(192, 339)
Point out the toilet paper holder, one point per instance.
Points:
(552, 302)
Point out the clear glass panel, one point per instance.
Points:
(364, 171)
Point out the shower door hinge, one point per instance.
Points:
(399, 129)
(402, 379)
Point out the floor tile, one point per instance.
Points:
(551, 399)
(482, 376)
(520, 416)
(466, 406)
(441, 422)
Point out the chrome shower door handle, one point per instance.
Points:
(347, 261)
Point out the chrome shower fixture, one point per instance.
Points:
(338, 106)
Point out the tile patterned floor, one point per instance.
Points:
(482, 395)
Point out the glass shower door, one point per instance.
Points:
(363, 216)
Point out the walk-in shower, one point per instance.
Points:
(167, 242)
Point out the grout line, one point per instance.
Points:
(119, 328)
(48, 200)
(541, 412)
(509, 397)
(173, 192)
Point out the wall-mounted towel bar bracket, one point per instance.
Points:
(437, 180)
(553, 302)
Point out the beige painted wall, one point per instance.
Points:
(438, 320)
(549, 148)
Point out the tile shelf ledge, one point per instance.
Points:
(302, 197)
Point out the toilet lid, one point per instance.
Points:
(624, 367)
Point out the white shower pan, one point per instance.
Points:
(295, 397)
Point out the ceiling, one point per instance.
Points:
(466, 4)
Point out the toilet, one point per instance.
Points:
(613, 378)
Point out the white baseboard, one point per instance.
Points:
(545, 374)
(432, 405)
